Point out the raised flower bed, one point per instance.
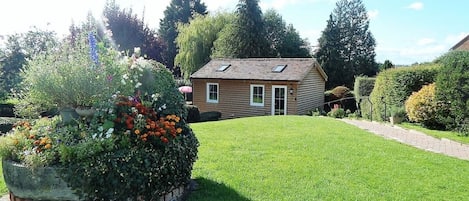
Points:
(135, 146)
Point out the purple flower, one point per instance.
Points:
(93, 48)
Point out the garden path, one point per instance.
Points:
(414, 138)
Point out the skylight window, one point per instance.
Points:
(223, 67)
(279, 68)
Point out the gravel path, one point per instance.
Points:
(414, 138)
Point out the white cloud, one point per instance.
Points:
(372, 14)
(425, 41)
(416, 6)
(453, 39)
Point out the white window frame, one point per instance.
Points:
(208, 93)
(251, 95)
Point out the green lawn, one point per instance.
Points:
(3, 188)
(436, 133)
(317, 158)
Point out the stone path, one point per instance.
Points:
(414, 138)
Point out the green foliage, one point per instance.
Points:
(346, 46)
(363, 86)
(195, 40)
(394, 86)
(386, 65)
(285, 41)
(336, 95)
(337, 113)
(67, 77)
(210, 116)
(453, 88)
(193, 114)
(245, 38)
(177, 12)
(422, 107)
(129, 32)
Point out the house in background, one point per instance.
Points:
(259, 86)
(462, 45)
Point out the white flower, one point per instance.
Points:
(94, 136)
(138, 85)
(134, 110)
(100, 129)
(163, 107)
(109, 132)
(123, 81)
(125, 76)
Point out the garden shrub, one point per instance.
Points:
(340, 92)
(393, 86)
(362, 89)
(7, 110)
(422, 107)
(453, 88)
(193, 114)
(210, 116)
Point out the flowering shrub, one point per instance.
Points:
(136, 146)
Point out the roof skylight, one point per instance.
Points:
(279, 68)
(223, 67)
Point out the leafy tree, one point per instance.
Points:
(195, 41)
(128, 32)
(18, 49)
(284, 41)
(293, 45)
(346, 47)
(246, 37)
(386, 65)
(179, 11)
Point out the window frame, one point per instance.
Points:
(217, 93)
(251, 95)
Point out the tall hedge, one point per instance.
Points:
(453, 89)
(362, 88)
(393, 86)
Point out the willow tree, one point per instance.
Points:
(195, 41)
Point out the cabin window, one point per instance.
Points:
(257, 95)
(212, 92)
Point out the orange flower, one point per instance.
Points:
(164, 140)
(32, 136)
(48, 146)
(179, 130)
(177, 119)
(137, 131)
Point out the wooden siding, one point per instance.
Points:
(234, 97)
(311, 92)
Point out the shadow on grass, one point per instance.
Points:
(208, 190)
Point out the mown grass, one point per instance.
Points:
(436, 133)
(3, 187)
(315, 158)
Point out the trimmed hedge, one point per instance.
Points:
(362, 88)
(193, 114)
(210, 116)
(394, 86)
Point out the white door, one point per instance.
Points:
(279, 100)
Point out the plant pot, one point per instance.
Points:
(395, 120)
(38, 184)
(68, 115)
(85, 111)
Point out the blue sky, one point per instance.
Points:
(406, 31)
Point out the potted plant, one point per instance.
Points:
(398, 114)
(136, 146)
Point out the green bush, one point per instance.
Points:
(453, 88)
(422, 107)
(210, 116)
(394, 86)
(193, 114)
